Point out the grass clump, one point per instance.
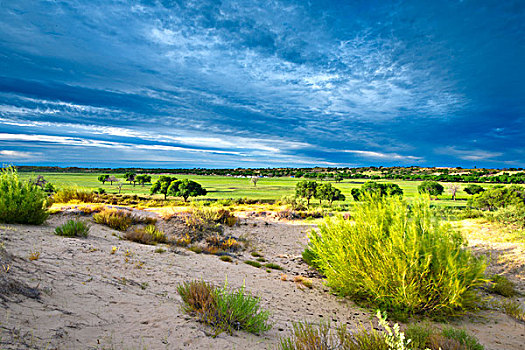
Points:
(399, 258)
(73, 228)
(226, 258)
(253, 263)
(273, 266)
(304, 281)
(502, 286)
(513, 308)
(116, 219)
(21, 202)
(223, 309)
(148, 235)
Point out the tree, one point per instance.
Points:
(39, 181)
(186, 188)
(130, 177)
(254, 180)
(338, 178)
(329, 193)
(103, 178)
(473, 189)
(112, 179)
(453, 189)
(306, 189)
(162, 185)
(376, 189)
(143, 179)
(432, 188)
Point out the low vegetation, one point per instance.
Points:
(224, 310)
(398, 258)
(74, 194)
(119, 219)
(424, 337)
(73, 228)
(21, 202)
(148, 235)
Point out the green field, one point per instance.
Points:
(225, 187)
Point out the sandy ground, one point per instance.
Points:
(92, 299)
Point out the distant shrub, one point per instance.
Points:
(512, 214)
(399, 258)
(21, 202)
(432, 188)
(223, 309)
(66, 195)
(499, 197)
(372, 189)
(73, 228)
(295, 202)
(273, 266)
(226, 258)
(473, 189)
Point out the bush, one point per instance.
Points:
(21, 202)
(116, 219)
(148, 235)
(253, 263)
(432, 188)
(398, 258)
(73, 228)
(499, 197)
(371, 189)
(66, 195)
(224, 310)
(512, 214)
(473, 189)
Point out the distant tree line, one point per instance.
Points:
(321, 174)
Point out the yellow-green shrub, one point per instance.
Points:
(399, 258)
(21, 202)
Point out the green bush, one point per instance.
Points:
(223, 309)
(21, 202)
(423, 337)
(73, 228)
(512, 214)
(502, 286)
(399, 258)
(499, 197)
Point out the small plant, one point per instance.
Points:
(273, 266)
(261, 260)
(256, 254)
(223, 309)
(73, 228)
(502, 286)
(160, 250)
(66, 195)
(513, 308)
(195, 248)
(463, 338)
(253, 263)
(226, 258)
(183, 241)
(427, 338)
(304, 281)
(34, 255)
(113, 250)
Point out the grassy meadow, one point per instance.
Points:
(226, 187)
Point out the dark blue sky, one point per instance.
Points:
(262, 83)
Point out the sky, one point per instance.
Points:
(220, 84)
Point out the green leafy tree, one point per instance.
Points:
(329, 193)
(306, 189)
(162, 185)
(186, 188)
(143, 179)
(473, 189)
(376, 189)
(338, 178)
(432, 188)
(130, 177)
(103, 178)
(499, 197)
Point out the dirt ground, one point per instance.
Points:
(93, 299)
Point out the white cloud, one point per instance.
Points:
(469, 154)
(16, 154)
(391, 156)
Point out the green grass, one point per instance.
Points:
(225, 187)
(253, 263)
(73, 228)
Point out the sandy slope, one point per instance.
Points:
(92, 299)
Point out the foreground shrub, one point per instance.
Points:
(502, 286)
(148, 235)
(66, 195)
(499, 197)
(224, 310)
(398, 258)
(73, 228)
(422, 337)
(21, 202)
